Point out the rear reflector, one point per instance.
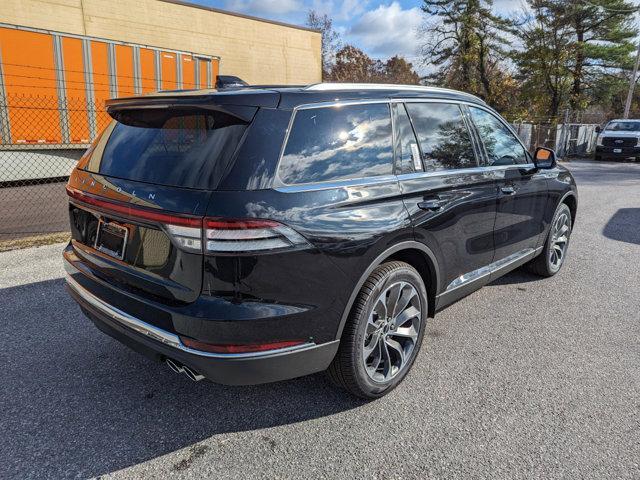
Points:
(242, 348)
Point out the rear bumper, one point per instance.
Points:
(625, 152)
(228, 369)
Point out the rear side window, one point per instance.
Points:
(168, 147)
(444, 137)
(338, 143)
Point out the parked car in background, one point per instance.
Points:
(261, 234)
(618, 140)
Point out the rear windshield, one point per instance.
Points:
(174, 148)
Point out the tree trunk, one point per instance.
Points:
(482, 67)
(554, 107)
(576, 89)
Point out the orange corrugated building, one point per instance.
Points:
(53, 85)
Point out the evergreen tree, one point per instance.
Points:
(573, 54)
(466, 41)
(544, 63)
(603, 31)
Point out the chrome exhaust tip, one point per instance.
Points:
(188, 371)
(176, 367)
(192, 374)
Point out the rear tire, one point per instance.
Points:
(383, 333)
(550, 260)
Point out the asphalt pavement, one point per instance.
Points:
(526, 378)
(33, 209)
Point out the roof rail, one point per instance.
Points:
(326, 87)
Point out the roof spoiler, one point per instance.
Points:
(121, 108)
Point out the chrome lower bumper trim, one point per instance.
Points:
(161, 335)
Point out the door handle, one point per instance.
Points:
(508, 190)
(433, 204)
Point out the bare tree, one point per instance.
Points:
(331, 42)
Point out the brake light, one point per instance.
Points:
(135, 213)
(238, 348)
(221, 235)
(185, 230)
(248, 235)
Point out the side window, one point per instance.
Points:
(338, 143)
(502, 147)
(408, 154)
(443, 135)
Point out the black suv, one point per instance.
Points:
(261, 234)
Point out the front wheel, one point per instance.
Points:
(553, 255)
(383, 333)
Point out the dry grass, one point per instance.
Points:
(35, 241)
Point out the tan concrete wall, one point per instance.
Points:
(257, 51)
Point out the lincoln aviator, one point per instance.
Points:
(258, 234)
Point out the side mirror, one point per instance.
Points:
(598, 129)
(544, 158)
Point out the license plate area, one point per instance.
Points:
(617, 150)
(111, 239)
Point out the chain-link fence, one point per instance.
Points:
(572, 134)
(40, 142)
(567, 139)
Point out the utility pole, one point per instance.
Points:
(632, 84)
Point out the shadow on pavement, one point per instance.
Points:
(589, 172)
(77, 403)
(624, 226)
(517, 276)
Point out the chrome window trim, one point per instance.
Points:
(328, 185)
(461, 171)
(283, 187)
(167, 338)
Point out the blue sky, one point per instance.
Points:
(380, 28)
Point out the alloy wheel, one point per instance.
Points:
(559, 240)
(392, 331)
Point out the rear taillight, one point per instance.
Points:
(186, 238)
(248, 235)
(134, 212)
(217, 235)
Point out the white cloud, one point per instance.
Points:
(264, 7)
(340, 10)
(351, 8)
(388, 30)
(509, 7)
